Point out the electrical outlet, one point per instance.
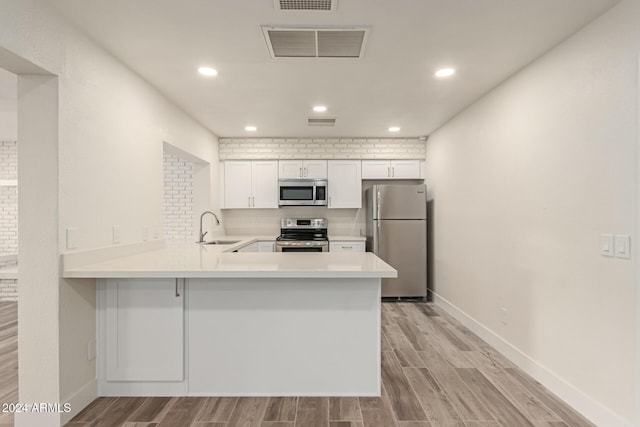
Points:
(116, 234)
(606, 245)
(72, 237)
(504, 316)
(91, 350)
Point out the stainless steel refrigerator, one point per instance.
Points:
(397, 233)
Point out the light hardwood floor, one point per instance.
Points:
(435, 373)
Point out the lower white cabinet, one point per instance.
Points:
(267, 246)
(346, 246)
(260, 246)
(144, 330)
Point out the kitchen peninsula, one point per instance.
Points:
(196, 320)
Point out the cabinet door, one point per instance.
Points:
(252, 247)
(344, 184)
(347, 246)
(314, 169)
(376, 169)
(144, 323)
(269, 246)
(265, 184)
(237, 184)
(405, 169)
(290, 168)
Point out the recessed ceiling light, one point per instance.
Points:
(445, 72)
(394, 129)
(319, 108)
(207, 71)
(250, 128)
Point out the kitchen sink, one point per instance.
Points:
(220, 242)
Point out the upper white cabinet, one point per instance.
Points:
(302, 169)
(144, 329)
(391, 169)
(344, 182)
(250, 184)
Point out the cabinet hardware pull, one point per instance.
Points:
(306, 172)
(388, 172)
(347, 247)
(253, 201)
(329, 201)
(249, 201)
(177, 288)
(393, 172)
(300, 172)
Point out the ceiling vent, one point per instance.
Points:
(290, 42)
(321, 122)
(306, 5)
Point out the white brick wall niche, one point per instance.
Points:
(178, 199)
(321, 148)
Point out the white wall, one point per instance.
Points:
(8, 106)
(523, 183)
(112, 126)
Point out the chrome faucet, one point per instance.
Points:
(201, 218)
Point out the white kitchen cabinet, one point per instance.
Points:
(250, 184)
(144, 338)
(293, 169)
(391, 169)
(259, 246)
(346, 246)
(267, 246)
(344, 184)
(251, 247)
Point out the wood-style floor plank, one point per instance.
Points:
(566, 413)
(467, 404)
(376, 411)
(281, 409)
(440, 411)
(248, 411)
(312, 412)
(525, 401)
(183, 411)
(404, 402)
(118, 412)
(505, 412)
(149, 410)
(217, 409)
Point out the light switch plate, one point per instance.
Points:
(623, 246)
(606, 245)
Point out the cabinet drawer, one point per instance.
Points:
(347, 246)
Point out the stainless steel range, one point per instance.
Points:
(303, 235)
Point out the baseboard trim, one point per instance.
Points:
(79, 400)
(589, 408)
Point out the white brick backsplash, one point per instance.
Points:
(321, 148)
(178, 198)
(8, 198)
(8, 290)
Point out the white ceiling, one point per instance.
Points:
(393, 84)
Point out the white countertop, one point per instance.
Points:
(191, 260)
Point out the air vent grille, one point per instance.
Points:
(315, 42)
(307, 5)
(321, 122)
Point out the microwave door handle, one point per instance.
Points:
(313, 196)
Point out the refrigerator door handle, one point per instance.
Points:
(376, 238)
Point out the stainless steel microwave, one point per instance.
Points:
(303, 192)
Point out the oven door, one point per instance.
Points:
(302, 246)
